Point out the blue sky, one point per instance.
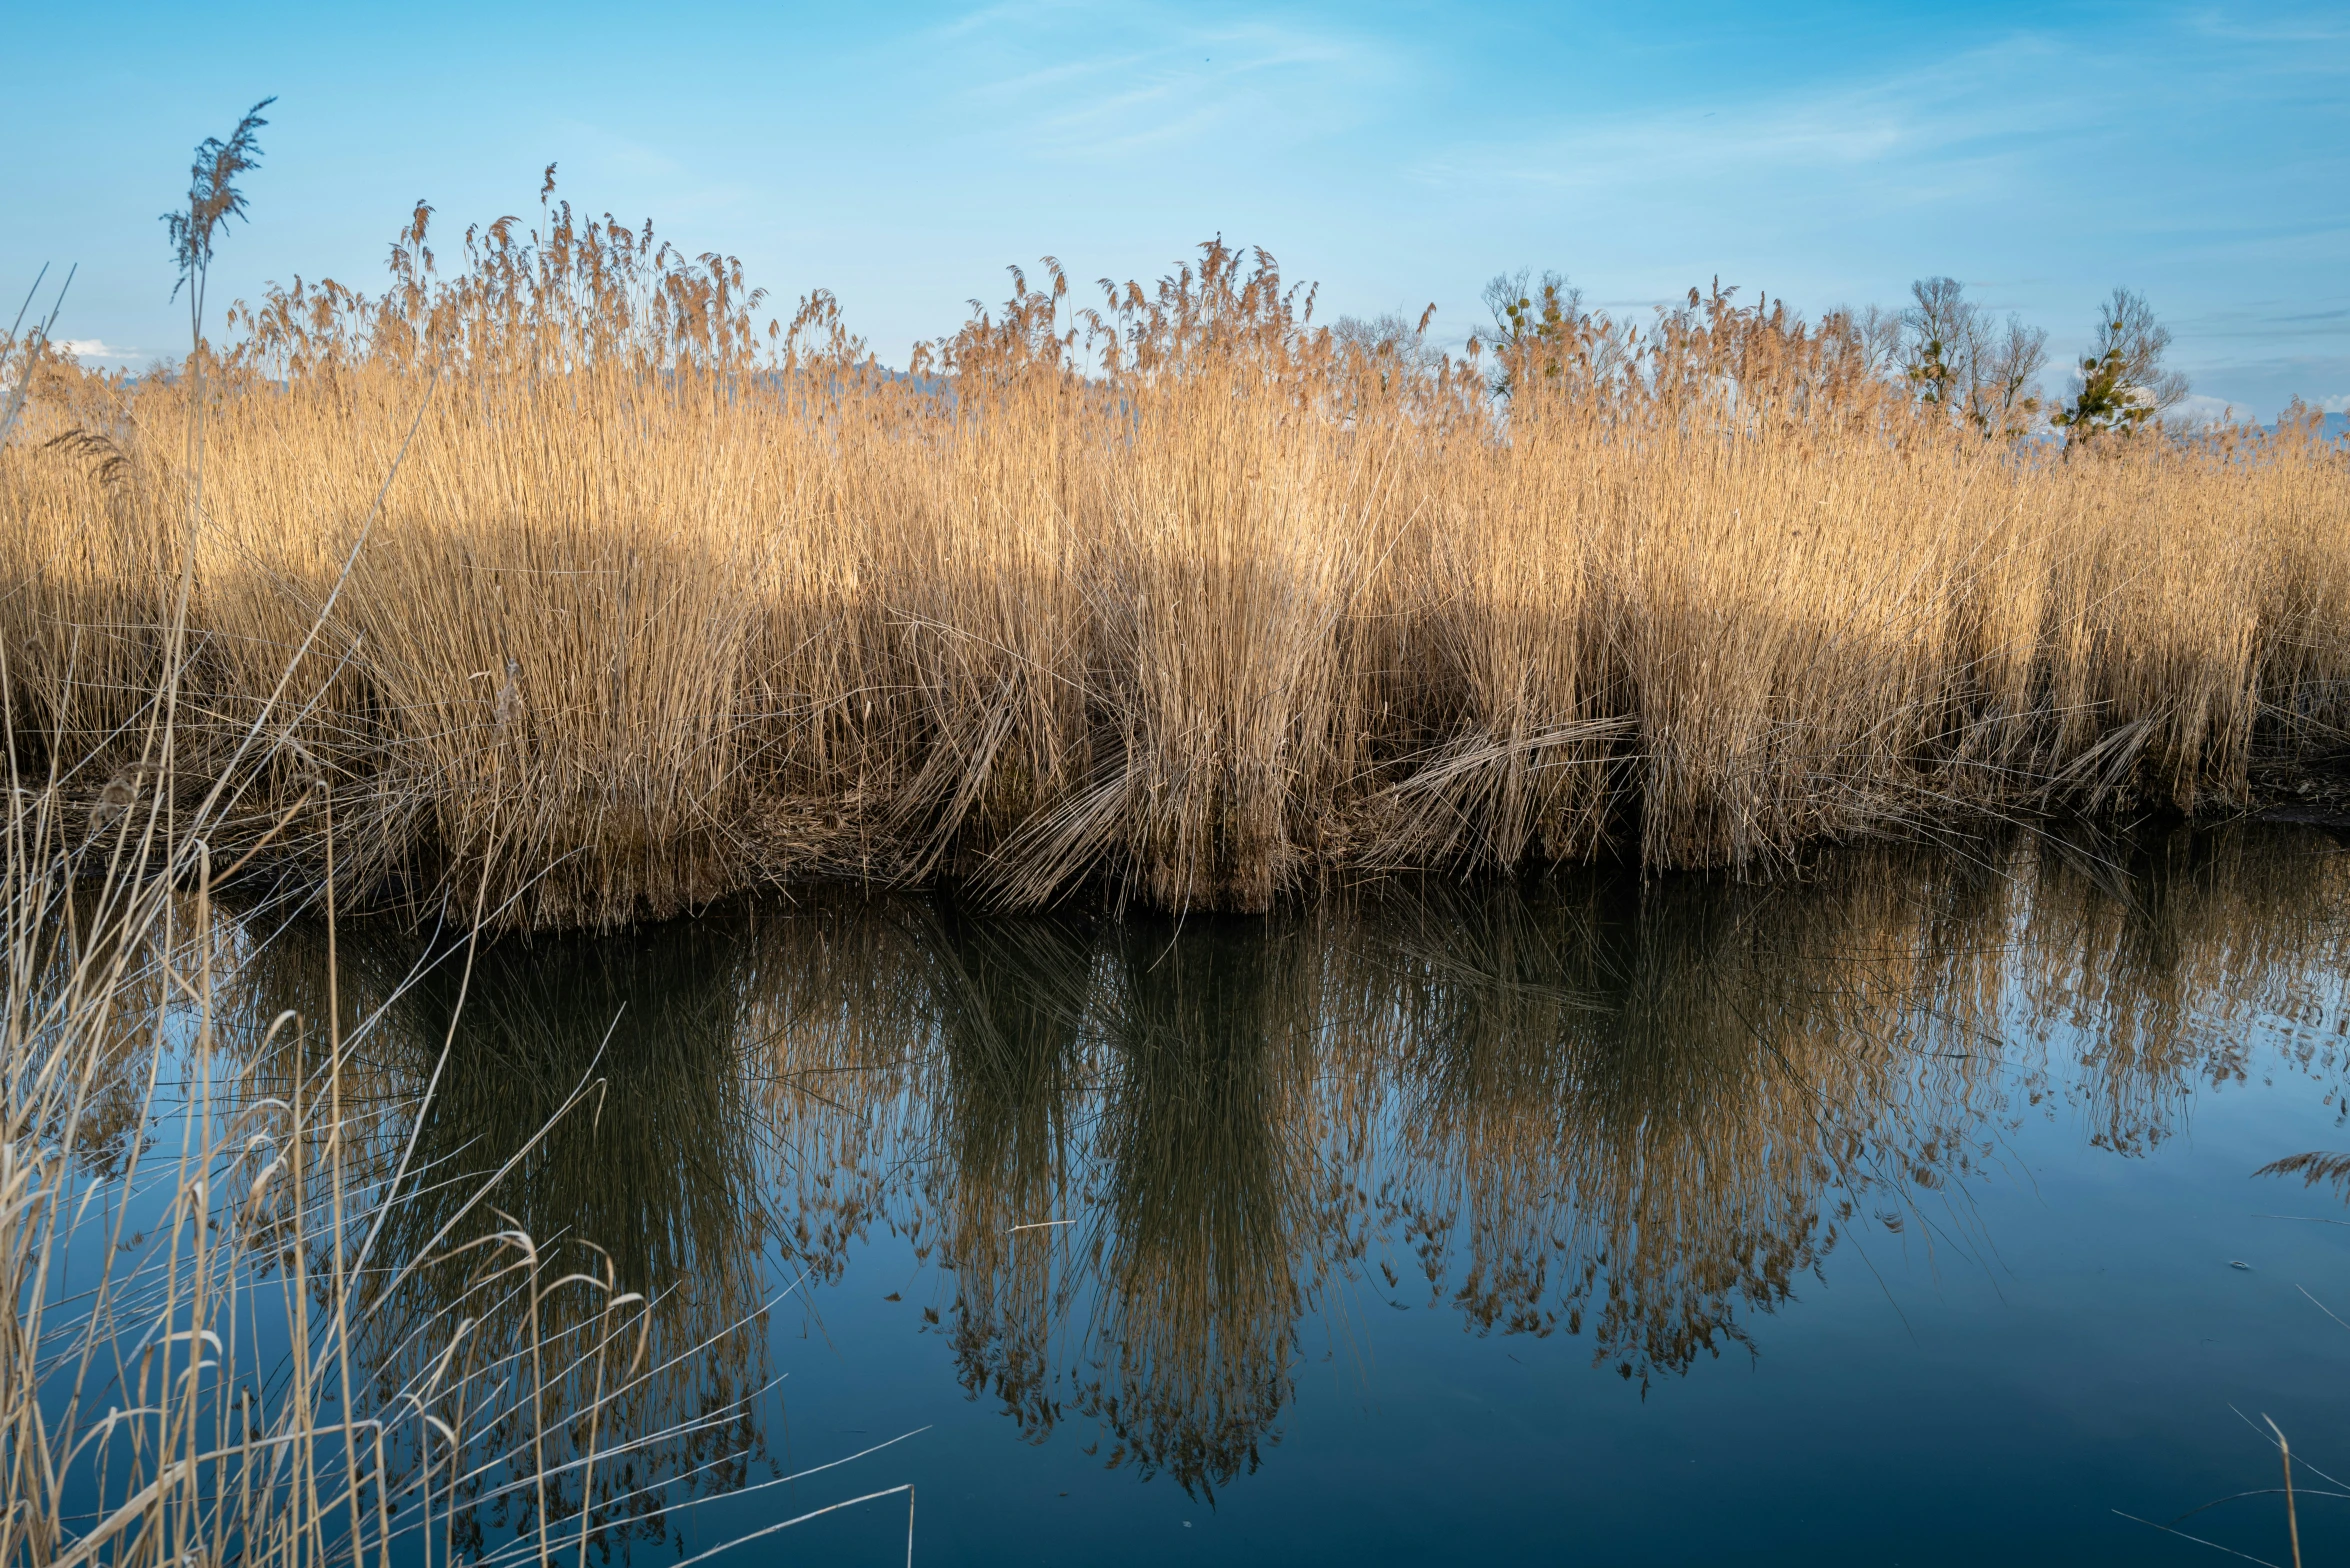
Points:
(1399, 154)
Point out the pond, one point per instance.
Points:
(1901, 1209)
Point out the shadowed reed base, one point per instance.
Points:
(1212, 607)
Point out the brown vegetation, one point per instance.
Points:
(1183, 592)
(1160, 1165)
(210, 1358)
(247, 1326)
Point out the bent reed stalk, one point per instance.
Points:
(1182, 593)
(205, 1358)
(208, 1357)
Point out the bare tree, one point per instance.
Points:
(2122, 384)
(1519, 303)
(1544, 330)
(2130, 331)
(1881, 336)
(1388, 336)
(1955, 355)
(2007, 378)
(1942, 332)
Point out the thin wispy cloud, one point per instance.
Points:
(595, 158)
(2093, 155)
(2242, 24)
(2042, 150)
(2277, 321)
(1159, 79)
(1967, 121)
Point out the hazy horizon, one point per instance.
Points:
(1399, 155)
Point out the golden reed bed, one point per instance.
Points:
(1182, 593)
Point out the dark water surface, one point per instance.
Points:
(1889, 1214)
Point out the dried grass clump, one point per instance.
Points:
(244, 1325)
(1182, 592)
(210, 1355)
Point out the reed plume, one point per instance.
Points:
(1180, 593)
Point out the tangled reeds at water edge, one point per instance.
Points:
(246, 1327)
(1183, 592)
(1151, 1170)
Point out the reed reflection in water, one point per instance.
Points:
(1159, 1165)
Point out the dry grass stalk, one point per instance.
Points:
(1183, 592)
(207, 1360)
(1147, 1154)
(209, 1356)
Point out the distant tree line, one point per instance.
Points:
(1945, 349)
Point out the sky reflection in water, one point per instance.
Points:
(1885, 1214)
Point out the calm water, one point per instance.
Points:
(1891, 1215)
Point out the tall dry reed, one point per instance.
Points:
(243, 1325)
(1148, 1154)
(1183, 591)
